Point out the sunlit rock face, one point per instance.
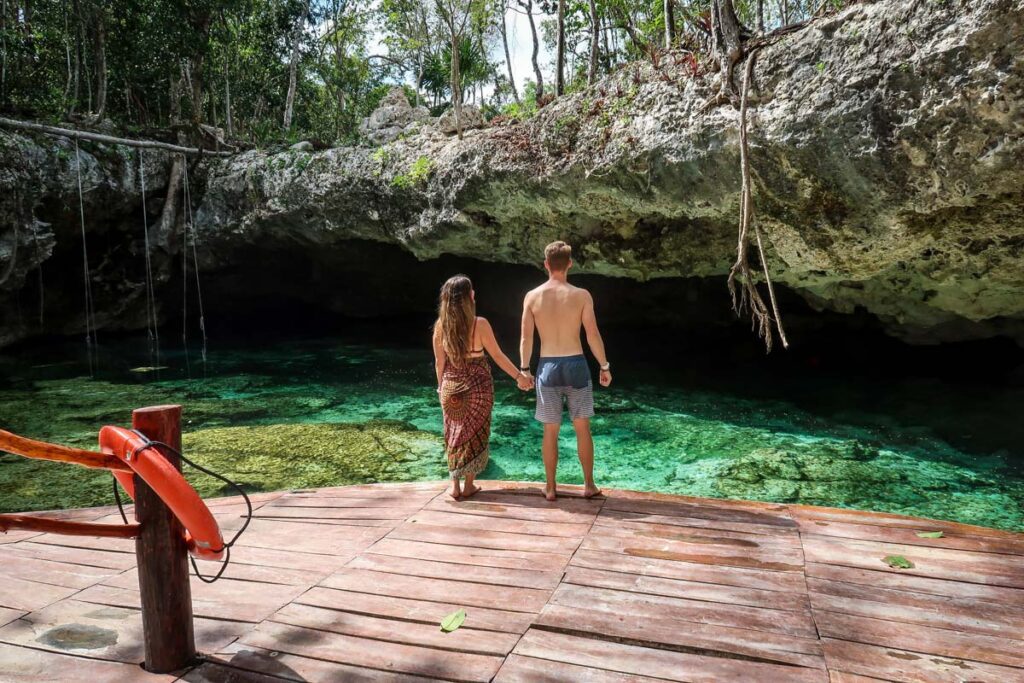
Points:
(887, 145)
(887, 149)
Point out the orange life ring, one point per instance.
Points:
(202, 533)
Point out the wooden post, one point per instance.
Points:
(162, 556)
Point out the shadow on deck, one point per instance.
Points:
(350, 583)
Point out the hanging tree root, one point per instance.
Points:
(741, 277)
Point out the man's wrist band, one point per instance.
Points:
(526, 369)
(606, 367)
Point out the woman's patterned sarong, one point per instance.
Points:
(467, 397)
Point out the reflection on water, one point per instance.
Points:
(320, 413)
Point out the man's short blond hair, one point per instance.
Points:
(558, 255)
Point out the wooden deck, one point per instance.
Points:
(349, 584)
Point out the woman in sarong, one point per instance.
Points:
(462, 342)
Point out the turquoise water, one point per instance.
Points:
(304, 413)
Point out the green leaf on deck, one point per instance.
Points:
(929, 534)
(453, 621)
(898, 562)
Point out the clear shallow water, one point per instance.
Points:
(308, 413)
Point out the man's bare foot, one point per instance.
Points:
(591, 491)
(470, 490)
(551, 494)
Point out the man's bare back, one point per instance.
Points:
(557, 309)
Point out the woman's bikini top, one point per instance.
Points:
(474, 353)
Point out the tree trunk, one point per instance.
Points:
(670, 24)
(229, 124)
(508, 59)
(536, 48)
(726, 43)
(560, 51)
(293, 68)
(785, 12)
(101, 62)
(456, 84)
(760, 16)
(595, 31)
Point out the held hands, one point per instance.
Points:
(524, 381)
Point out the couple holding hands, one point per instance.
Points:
(462, 344)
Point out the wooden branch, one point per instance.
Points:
(40, 450)
(57, 526)
(107, 139)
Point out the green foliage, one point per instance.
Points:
(453, 621)
(417, 175)
(898, 562)
(820, 66)
(929, 534)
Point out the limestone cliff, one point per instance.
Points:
(887, 148)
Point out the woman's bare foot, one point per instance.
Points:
(551, 494)
(470, 490)
(456, 492)
(591, 491)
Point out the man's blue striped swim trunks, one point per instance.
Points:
(561, 380)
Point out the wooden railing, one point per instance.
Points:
(160, 548)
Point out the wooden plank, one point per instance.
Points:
(897, 521)
(964, 615)
(484, 539)
(212, 672)
(286, 666)
(50, 572)
(373, 654)
(923, 639)
(517, 526)
(760, 547)
(284, 558)
(784, 537)
(228, 598)
(958, 565)
(707, 573)
(24, 665)
(468, 555)
(517, 507)
(465, 639)
(328, 513)
(315, 539)
(663, 631)
(71, 556)
(493, 576)
(121, 545)
(383, 500)
(910, 667)
(9, 615)
(611, 515)
(955, 539)
(28, 596)
(787, 561)
(624, 602)
(916, 584)
(844, 677)
(439, 590)
(673, 666)
(407, 609)
(704, 509)
(111, 633)
(694, 590)
(519, 669)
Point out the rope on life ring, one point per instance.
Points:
(202, 534)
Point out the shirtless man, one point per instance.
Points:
(558, 310)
